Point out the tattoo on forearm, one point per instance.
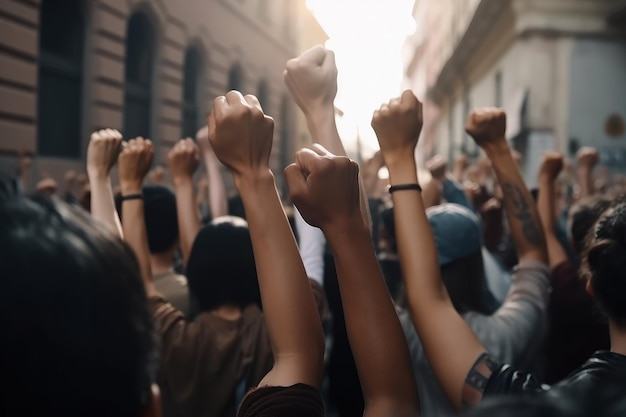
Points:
(477, 379)
(523, 212)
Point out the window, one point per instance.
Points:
(192, 92)
(140, 54)
(263, 94)
(61, 45)
(235, 78)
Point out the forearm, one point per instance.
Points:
(519, 205)
(188, 218)
(218, 203)
(546, 207)
(103, 205)
(134, 226)
(585, 181)
(292, 320)
(375, 334)
(442, 330)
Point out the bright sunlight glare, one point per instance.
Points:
(367, 37)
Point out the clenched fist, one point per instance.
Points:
(398, 126)
(487, 126)
(104, 147)
(587, 157)
(312, 79)
(324, 187)
(437, 167)
(134, 163)
(183, 160)
(551, 165)
(241, 134)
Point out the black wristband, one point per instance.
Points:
(131, 197)
(404, 187)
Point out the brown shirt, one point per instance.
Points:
(204, 361)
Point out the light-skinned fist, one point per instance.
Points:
(312, 79)
(398, 125)
(104, 147)
(324, 187)
(487, 126)
(437, 167)
(183, 160)
(241, 134)
(47, 186)
(134, 163)
(551, 165)
(587, 157)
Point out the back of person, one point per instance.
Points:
(210, 361)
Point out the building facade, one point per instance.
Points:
(146, 67)
(556, 66)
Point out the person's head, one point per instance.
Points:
(583, 216)
(221, 268)
(604, 263)
(77, 336)
(159, 207)
(457, 232)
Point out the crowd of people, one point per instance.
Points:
(462, 293)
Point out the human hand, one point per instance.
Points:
(241, 134)
(134, 163)
(104, 147)
(312, 79)
(47, 186)
(587, 157)
(70, 178)
(156, 175)
(183, 160)
(324, 187)
(437, 167)
(398, 126)
(551, 165)
(488, 127)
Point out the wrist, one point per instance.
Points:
(252, 182)
(403, 172)
(345, 228)
(130, 187)
(182, 181)
(496, 147)
(97, 175)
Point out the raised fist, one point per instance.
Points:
(47, 186)
(312, 79)
(70, 178)
(134, 163)
(104, 147)
(241, 134)
(398, 126)
(461, 163)
(587, 157)
(551, 165)
(324, 187)
(183, 160)
(156, 175)
(437, 167)
(487, 126)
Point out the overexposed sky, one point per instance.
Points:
(367, 37)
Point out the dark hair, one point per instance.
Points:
(604, 263)
(221, 268)
(583, 216)
(77, 336)
(159, 207)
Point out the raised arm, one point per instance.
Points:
(325, 188)
(183, 160)
(587, 158)
(134, 163)
(312, 81)
(450, 345)
(218, 202)
(487, 127)
(241, 136)
(104, 148)
(551, 166)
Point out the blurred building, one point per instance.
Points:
(556, 66)
(147, 68)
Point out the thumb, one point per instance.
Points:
(307, 159)
(296, 183)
